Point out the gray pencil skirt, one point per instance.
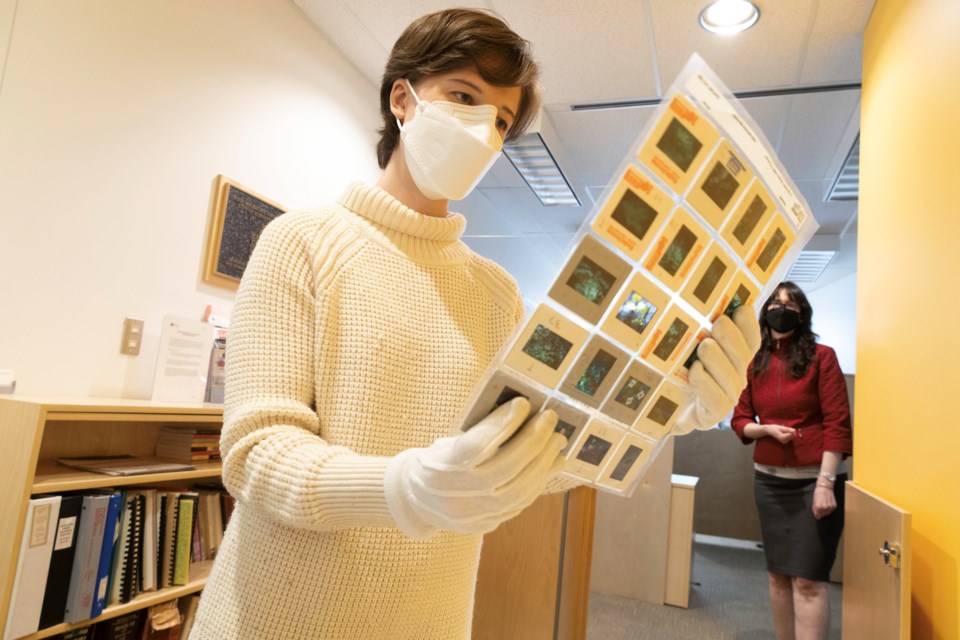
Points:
(794, 542)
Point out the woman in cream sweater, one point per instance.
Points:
(359, 331)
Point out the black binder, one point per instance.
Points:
(61, 562)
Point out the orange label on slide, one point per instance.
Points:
(656, 254)
(625, 239)
(756, 253)
(652, 343)
(683, 112)
(637, 181)
(669, 173)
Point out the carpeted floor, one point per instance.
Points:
(728, 601)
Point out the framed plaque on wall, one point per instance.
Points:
(237, 219)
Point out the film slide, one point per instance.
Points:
(592, 450)
(626, 462)
(749, 218)
(631, 393)
(720, 185)
(774, 243)
(640, 305)
(709, 279)
(662, 412)
(590, 280)
(669, 339)
(679, 144)
(593, 374)
(676, 250)
(633, 213)
(547, 346)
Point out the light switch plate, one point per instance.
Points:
(132, 336)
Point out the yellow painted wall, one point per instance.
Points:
(907, 441)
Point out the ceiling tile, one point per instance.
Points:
(816, 124)
(593, 51)
(836, 51)
(348, 34)
(387, 20)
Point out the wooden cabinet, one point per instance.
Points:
(534, 577)
(680, 540)
(35, 431)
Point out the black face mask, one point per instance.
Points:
(783, 320)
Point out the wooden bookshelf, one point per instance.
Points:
(34, 431)
(55, 478)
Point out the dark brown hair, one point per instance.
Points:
(457, 39)
(803, 343)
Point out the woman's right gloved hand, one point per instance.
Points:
(469, 482)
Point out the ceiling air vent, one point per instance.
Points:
(809, 266)
(847, 184)
(536, 165)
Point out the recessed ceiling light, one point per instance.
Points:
(727, 17)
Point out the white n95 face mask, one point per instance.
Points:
(449, 147)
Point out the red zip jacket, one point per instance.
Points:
(816, 405)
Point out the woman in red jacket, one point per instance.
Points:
(795, 408)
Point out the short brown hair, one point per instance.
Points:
(455, 39)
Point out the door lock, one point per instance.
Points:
(890, 552)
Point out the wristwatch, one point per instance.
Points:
(826, 474)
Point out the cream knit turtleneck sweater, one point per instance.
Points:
(359, 331)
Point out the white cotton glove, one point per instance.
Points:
(720, 374)
(469, 482)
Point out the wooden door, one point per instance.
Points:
(876, 568)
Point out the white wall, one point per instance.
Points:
(835, 319)
(115, 118)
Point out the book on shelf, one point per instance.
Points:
(168, 535)
(125, 627)
(162, 622)
(210, 524)
(61, 561)
(80, 633)
(119, 540)
(124, 465)
(183, 544)
(125, 573)
(188, 444)
(148, 557)
(86, 561)
(33, 564)
(131, 574)
(106, 554)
